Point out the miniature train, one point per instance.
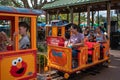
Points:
(16, 64)
(60, 57)
(21, 64)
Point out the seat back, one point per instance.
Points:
(90, 47)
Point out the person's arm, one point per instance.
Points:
(105, 39)
(79, 44)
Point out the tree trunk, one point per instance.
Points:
(35, 4)
(15, 3)
(25, 2)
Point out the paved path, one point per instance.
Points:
(111, 73)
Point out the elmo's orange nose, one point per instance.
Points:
(19, 65)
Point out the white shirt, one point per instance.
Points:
(24, 42)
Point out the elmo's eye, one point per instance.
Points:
(19, 59)
(14, 62)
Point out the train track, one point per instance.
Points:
(51, 75)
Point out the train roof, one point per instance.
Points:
(9, 9)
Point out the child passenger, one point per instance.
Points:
(4, 41)
(91, 37)
(24, 42)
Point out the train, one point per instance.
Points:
(60, 57)
(16, 64)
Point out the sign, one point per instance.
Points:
(56, 41)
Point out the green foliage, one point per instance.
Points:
(42, 60)
(11, 3)
(83, 17)
(42, 48)
(102, 19)
(75, 18)
(1, 21)
(41, 19)
(6, 3)
(63, 16)
(114, 18)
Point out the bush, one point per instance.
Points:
(42, 60)
(40, 48)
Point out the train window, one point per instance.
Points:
(59, 31)
(24, 33)
(5, 35)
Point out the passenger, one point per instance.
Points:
(76, 40)
(67, 39)
(86, 34)
(91, 37)
(101, 38)
(4, 41)
(86, 31)
(103, 29)
(24, 42)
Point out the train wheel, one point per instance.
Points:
(66, 75)
(46, 68)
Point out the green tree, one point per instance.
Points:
(114, 18)
(101, 20)
(83, 17)
(6, 3)
(63, 16)
(34, 4)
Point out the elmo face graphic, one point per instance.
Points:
(18, 67)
